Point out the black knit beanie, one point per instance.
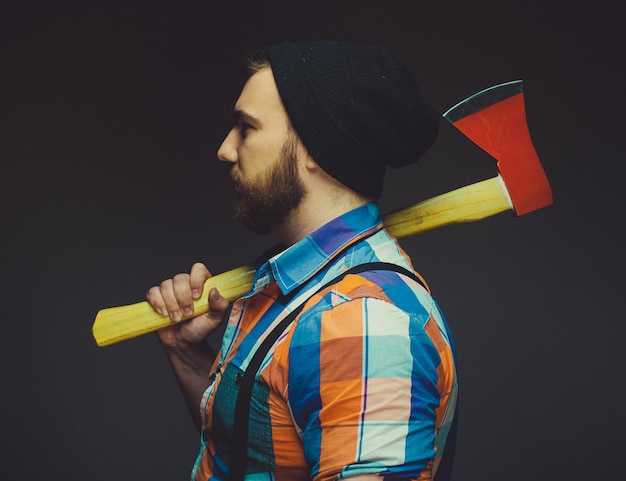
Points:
(356, 109)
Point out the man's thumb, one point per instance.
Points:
(217, 303)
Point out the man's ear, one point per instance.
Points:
(309, 162)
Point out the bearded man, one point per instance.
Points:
(361, 383)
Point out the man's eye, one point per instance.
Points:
(244, 128)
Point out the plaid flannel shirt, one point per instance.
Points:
(363, 382)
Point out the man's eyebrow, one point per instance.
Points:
(243, 116)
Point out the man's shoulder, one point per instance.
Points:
(390, 287)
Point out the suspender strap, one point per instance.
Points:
(239, 446)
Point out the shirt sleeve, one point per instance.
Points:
(364, 389)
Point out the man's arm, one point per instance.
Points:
(185, 342)
(367, 390)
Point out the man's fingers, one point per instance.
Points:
(155, 299)
(169, 298)
(182, 294)
(198, 276)
(174, 297)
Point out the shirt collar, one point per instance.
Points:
(299, 262)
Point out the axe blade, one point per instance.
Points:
(495, 120)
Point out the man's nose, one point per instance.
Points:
(228, 150)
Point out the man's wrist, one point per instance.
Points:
(195, 355)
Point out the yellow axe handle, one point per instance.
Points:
(467, 204)
(116, 324)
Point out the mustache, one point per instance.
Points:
(235, 176)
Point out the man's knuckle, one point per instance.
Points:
(179, 278)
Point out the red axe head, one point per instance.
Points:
(495, 120)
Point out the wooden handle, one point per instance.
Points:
(117, 324)
(467, 204)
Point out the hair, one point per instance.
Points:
(257, 60)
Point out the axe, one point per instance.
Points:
(494, 119)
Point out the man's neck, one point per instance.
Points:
(313, 213)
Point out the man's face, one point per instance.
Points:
(264, 152)
(266, 199)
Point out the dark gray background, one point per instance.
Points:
(110, 117)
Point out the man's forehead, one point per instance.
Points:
(260, 96)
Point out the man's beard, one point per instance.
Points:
(266, 200)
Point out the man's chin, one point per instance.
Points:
(250, 221)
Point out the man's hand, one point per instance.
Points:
(174, 298)
(184, 342)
